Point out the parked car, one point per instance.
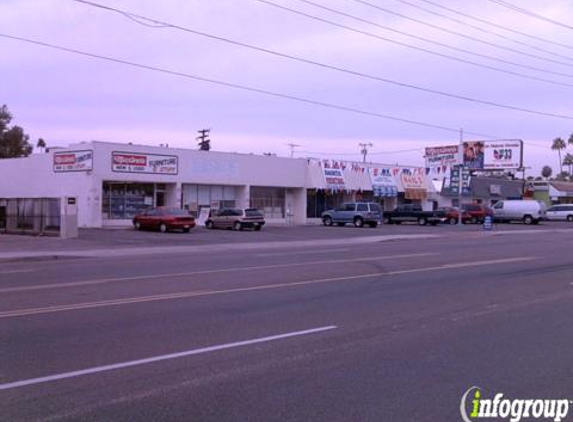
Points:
(563, 212)
(528, 211)
(357, 213)
(415, 214)
(237, 219)
(452, 215)
(164, 219)
(476, 212)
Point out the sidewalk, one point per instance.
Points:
(69, 251)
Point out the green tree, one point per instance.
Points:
(13, 141)
(41, 144)
(546, 172)
(558, 145)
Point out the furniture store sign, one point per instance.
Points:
(73, 161)
(131, 162)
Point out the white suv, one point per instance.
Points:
(560, 212)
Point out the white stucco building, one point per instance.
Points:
(110, 183)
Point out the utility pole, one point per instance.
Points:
(364, 150)
(292, 147)
(461, 182)
(204, 141)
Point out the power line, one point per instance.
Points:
(505, 28)
(530, 13)
(479, 28)
(458, 34)
(435, 53)
(244, 88)
(162, 24)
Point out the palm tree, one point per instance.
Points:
(558, 145)
(568, 161)
(546, 172)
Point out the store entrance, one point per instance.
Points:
(160, 199)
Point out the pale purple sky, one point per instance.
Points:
(66, 98)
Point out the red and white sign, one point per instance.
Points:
(442, 156)
(413, 181)
(132, 162)
(73, 161)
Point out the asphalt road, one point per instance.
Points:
(380, 331)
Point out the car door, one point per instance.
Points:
(553, 213)
(349, 213)
(498, 211)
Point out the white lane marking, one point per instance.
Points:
(121, 365)
(302, 252)
(16, 271)
(199, 293)
(191, 273)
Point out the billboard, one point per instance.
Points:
(134, 162)
(73, 161)
(505, 154)
(442, 156)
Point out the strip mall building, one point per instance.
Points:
(113, 182)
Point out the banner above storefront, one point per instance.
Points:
(383, 183)
(132, 162)
(414, 186)
(333, 175)
(69, 161)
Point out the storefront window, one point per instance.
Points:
(320, 200)
(196, 197)
(125, 200)
(271, 201)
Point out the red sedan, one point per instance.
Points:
(164, 219)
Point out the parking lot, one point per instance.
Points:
(130, 238)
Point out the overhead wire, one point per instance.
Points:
(402, 44)
(448, 31)
(530, 13)
(495, 25)
(244, 87)
(163, 24)
(479, 28)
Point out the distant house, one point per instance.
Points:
(553, 192)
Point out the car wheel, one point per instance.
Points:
(358, 222)
(422, 221)
(163, 228)
(209, 224)
(327, 221)
(570, 218)
(528, 219)
(474, 220)
(237, 226)
(186, 230)
(452, 221)
(137, 225)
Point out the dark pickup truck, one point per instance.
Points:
(412, 213)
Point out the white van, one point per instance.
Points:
(560, 212)
(528, 211)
